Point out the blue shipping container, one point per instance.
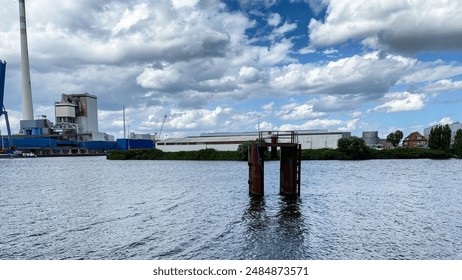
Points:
(99, 145)
(34, 142)
(125, 144)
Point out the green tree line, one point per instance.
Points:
(440, 138)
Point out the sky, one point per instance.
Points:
(242, 65)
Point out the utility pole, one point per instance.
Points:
(123, 110)
(258, 126)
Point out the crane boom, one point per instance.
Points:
(2, 106)
(161, 128)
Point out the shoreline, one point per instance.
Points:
(321, 154)
(72, 155)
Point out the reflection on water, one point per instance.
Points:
(255, 214)
(275, 233)
(291, 229)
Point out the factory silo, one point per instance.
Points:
(88, 112)
(371, 138)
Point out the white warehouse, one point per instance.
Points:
(319, 139)
(309, 139)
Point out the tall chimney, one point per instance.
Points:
(27, 109)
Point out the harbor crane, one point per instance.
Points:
(2, 106)
(161, 127)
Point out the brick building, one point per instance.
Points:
(415, 140)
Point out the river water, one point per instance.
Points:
(93, 208)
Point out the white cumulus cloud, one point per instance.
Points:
(295, 111)
(401, 101)
(405, 26)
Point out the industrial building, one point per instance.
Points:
(309, 139)
(77, 113)
(76, 119)
(320, 139)
(219, 142)
(75, 131)
(371, 139)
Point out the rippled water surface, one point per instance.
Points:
(92, 208)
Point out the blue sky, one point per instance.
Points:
(219, 66)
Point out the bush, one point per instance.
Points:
(354, 148)
(403, 153)
(243, 149)
(323, 154)
(155, 154)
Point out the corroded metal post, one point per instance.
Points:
(256, 170)
(290, 170)
(290, 164)
(274, 147)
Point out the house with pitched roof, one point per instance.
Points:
(415, 140)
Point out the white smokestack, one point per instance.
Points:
(27, 109)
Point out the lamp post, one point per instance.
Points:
(258, 125)
(123, 115)
(128, 144)
(311, 144)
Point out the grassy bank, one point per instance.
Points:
(410, 154)
(335, 154)
(320, 154)
(154, 154)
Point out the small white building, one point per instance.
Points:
(309, 139)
